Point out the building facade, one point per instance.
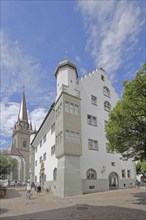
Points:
(70, 148)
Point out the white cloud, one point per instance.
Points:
(20, 69)
(37, 116)
(112, 28)
(9, 115)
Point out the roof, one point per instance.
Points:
(15, 151)
(22, 116)
(64, 63)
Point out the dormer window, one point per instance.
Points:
(106, 91)
(93, 100)
(107, 106)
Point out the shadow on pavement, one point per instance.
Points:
(3, 211)
(140, 198)
(84, 212)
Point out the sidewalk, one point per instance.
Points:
(128, 204)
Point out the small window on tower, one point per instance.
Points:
(102, 77)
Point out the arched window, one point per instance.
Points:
(24, 143)
(91, 174)
(54, 173)
(107, 106)
(106, 91)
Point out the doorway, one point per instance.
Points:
(113, 181)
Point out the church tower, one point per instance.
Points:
(21, 134)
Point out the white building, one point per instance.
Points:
(71, 149)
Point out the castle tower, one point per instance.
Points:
(68, 131)
(21, 135)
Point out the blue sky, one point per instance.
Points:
(36, 35)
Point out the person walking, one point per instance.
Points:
(33, 186)
(28, 191)
(38, 190)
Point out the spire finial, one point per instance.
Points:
(66, 54)
(23, 110)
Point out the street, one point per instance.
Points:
(128, 204)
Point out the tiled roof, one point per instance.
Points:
(15, 151)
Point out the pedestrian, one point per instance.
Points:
(33, 186)
(48, 190)
(28, 187)
(137, 183)
(38, 190)
(28, 194)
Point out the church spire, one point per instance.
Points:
(23, 110)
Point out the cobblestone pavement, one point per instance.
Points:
(127, 204)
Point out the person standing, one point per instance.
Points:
(33, 186)
(38, 190)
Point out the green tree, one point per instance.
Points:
(7, 163)
(126, 128)
(141, 168)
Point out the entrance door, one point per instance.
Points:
(113, 181)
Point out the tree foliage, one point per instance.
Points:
(126, 129)
(7, 163)
(141, 168)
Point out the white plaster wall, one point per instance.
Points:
(92, 84)
(51, 162)
(66, 76)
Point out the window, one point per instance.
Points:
(107, 106)
(92, 144)
(59, 138)
(36, 163)
(102, 77)
(72, 138)
(40, 159)
(35, 179)
(123, 174)
(113, 163)
(40, 143)
(58, 110)
(54, 173)
(53, 150)
(36, 149)
(76, 110)
(67, 136)
(71, 108)
(129, 173)
(44, 138)
(77, 138)
(66, 106)
(93, 100)
(91, 120)
(91, 174)
(44, 156)
(91, 187)
(24, 143)
(52, 128)
(106, 91)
